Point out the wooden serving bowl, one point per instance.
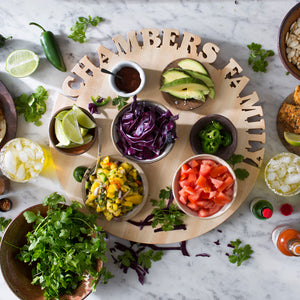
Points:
(292, 15)
(195, 140)
(76, 150)
(18, 274)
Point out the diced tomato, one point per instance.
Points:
(184, 168)
(194, 197)
(202, 181)
(229, 192)
(226, 184)
(216, 182)
(183, 176)
(221, 199)
(193, 163)
(205, 195)
(183, 200)
(212, 194)
(192, 178)
(209, 162)
(206, 212)
(217, 171)
(205, 203)
(193, 206)
(184, 183)
(189, 190)
(205, 169)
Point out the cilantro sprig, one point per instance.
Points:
(78, 31)
(166, 214)
(239, 254)
(258, 57)
(32, 106)
(120, 101)
(240, 173)
(62, 247)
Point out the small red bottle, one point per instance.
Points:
(287, 240)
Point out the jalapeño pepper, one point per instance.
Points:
(51, 48)
(3, 40)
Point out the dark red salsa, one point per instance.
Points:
(130, 81)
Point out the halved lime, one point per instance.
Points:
(292, 138)
(83, 131)
(60, 133)
(71, 127)
(21, 63)
(83, 119)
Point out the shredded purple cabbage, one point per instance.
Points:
(92, 108)
(203, 254)
(217, 242)
(145, 131)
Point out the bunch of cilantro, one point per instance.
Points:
(32, 106)
(63, 247)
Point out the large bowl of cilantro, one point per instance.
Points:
(53, 251)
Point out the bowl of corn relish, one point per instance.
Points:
(118, 190)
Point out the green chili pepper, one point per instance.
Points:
(99, 101)
(211, 134)
(3, 40)
(78, 173)
(216, 125)
(51, 48)
(226, 138)
(210, 147)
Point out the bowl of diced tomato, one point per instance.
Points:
(204, 186)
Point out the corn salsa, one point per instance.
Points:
(115, 189)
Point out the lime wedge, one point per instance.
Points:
(86, 140)
(21, 63)
(60, 134)
(61, 115)
(71, 127)
(83, 131)
(82, 118)
(292, 138)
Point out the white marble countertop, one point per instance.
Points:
(229, 24)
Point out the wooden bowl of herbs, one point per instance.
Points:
(70, 248)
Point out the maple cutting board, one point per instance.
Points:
(153, 51)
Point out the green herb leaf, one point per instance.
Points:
(257, 57)
(234, 159)
(120, 101)
(4, 223)
(239, 254)
(32, 106)
(241, 174)
(167, 216)
(78, 31)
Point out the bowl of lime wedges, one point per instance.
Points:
(72, 130)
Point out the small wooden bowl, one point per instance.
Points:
(18, 274)
(76, 150)
(289, 19)
(223, 152)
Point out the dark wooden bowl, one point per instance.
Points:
(76, 150)
(18, 274)
(195, 141)
(289, 19)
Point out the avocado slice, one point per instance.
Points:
(184, 84)
(173, 74)
(211, 93)
(186, 88)
(188, 94)
(193, 65)
(206, 79)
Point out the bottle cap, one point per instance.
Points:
(286, 209)
(295, 248)
(267, 213)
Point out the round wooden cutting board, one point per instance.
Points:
(153, 51)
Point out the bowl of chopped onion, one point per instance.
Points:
(144, 131)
